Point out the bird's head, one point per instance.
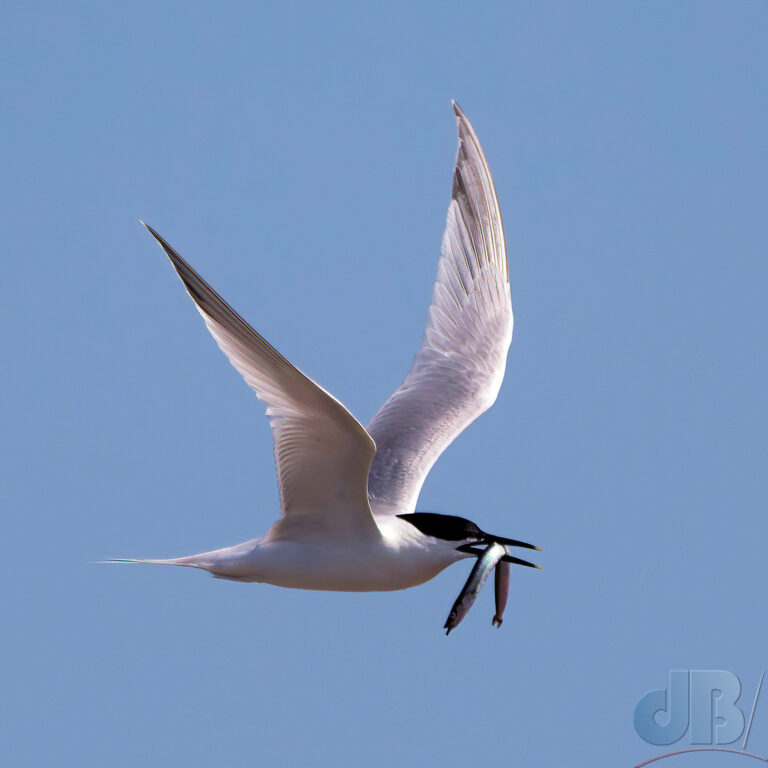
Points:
(463, 534)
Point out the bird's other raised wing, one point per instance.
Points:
(458, 371)
(322, 453)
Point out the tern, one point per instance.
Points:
(348, 493)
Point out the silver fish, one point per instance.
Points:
(484, 565)
(502, 590)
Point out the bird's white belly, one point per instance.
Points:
(362, 567)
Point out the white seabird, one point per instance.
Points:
(348, 493)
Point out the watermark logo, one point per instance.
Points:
(701, 703)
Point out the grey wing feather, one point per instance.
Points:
(458, 371)
(322, 453)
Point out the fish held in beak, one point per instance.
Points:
(501, 591)
(482, 567)
(473, 549)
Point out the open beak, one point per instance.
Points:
(471, 549)
(512, 542)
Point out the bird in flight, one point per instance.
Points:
(348, 493)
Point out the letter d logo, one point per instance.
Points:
(675, 704)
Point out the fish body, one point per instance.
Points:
(501, 591)
(484, 565)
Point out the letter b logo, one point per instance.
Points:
(704, 698)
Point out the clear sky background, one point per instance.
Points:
(300, 157)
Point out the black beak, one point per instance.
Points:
(471, 549)
(511, 542)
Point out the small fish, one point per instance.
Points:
(502, 590)
(484, 565)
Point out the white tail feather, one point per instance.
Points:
(189, 562)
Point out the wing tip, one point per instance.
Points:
(169, 252)
(462, 122)
(179, 264)
(464, 125)
(473, 151)
(154, 234)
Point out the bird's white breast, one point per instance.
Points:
(400, 558)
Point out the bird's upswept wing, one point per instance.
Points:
(322, 453)
(458, 371)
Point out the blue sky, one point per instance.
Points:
(300, 157)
